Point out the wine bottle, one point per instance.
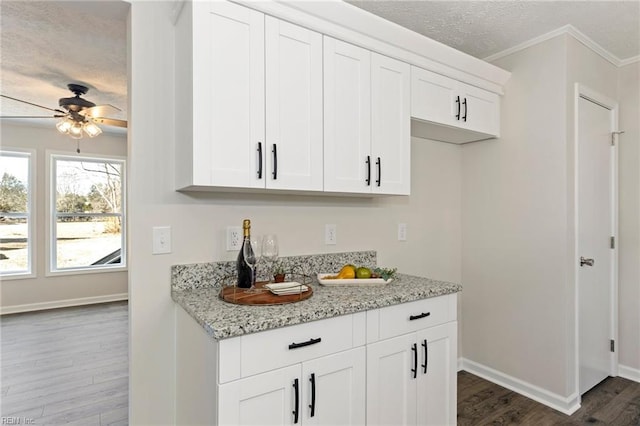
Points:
(245, 275)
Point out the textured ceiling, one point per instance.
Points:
(482, 28)
(46, 44)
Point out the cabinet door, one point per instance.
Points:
(229, 98)
(347, 117)
(294, 106)
(334, 389)
(265, 399)
(391, 386)
(437, 380)
(390, 123)
(433, 97)
(481, 109)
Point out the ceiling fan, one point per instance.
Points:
(77, 115)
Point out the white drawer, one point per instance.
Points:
(412, 316)
(280, 347)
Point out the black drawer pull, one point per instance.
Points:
(275, 162)
(312, 379)
(368, 180)
(464, 117)
(458, 105)
(303, 344)
(422, 315)
(296, 407)
(414, 370)
(379, 164)
(259, 160)
(426, 356)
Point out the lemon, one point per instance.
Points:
(363, 272)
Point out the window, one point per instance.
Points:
(87, 204)
(16, 203)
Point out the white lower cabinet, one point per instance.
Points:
(325, 391)
(411, 379)
(388, 366)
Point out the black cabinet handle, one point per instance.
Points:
(414, 370)
(464, 117)
(259, 160)
(422, 315)
(313, 394)
(458, 103)
(379, 164)
(297, 403)
(426, 356)
(307, 343)
(275, 162)
(368, 162)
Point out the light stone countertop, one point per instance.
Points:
(223, 320)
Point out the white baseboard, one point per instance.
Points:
(62, 303)
(566, 405)
(629, 373)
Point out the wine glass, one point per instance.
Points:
(270, 250)
(250, 259)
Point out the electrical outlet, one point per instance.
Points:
(161, 240)
(330, 234)
(402, 232)
(234, 238)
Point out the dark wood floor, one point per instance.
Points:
(614, 402)
(65, 366)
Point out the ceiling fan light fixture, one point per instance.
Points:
(64, 126)
(91, 129)
(76, 130)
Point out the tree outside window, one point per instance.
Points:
(88, 229)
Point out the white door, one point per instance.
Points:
(334, 389)
(230, 100)
(264, 399)
(433, 97)
(391, 381)
(595, 228)
(347, 117)
(390, 126)
(437, 380)
(294, 106)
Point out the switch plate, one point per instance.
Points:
(330, 234)
(161, 240)
(234, 238)
(402, 232)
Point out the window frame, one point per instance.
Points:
(30, 154)
(51, 231)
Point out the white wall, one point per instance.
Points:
(518, 227)
(629, 225)
(46, 292)
(513, 226)
(198, 220)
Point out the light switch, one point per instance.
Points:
(161, 239)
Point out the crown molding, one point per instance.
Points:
(576, 34)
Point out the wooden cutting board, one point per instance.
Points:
(241, 296)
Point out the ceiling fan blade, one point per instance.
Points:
(110, 122)
(32, 116)
(100, 111)
(31, 103)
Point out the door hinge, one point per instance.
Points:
(613, 242)
(613, 345)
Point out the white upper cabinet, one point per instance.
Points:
(347, 117)
(294, 106)
(390, 118)
(220, 96)
(366, 121)
(452, 111)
